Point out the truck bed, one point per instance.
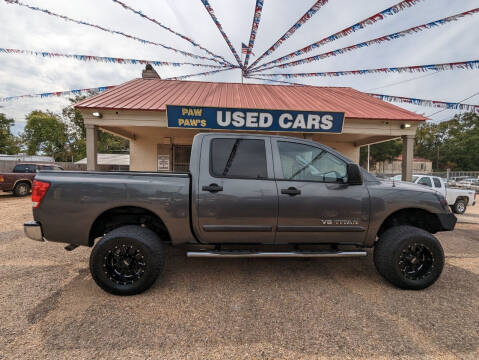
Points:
(76, 199)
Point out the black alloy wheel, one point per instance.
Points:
(409, 257)
(127, 260)
(416, 261)
(124, 264)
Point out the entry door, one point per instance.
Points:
(315, 203)
(237, 194)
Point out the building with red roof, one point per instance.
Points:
(160, 117)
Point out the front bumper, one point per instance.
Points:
(33, 230)
(448, 221)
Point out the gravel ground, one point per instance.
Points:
(235, 309)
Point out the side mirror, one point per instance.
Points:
(355, 176)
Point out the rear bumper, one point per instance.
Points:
(33, 230)
(448, 221)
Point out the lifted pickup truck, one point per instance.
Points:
(244, 196)
(19, 181)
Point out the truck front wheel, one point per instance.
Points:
(409, 257)
(127, 260)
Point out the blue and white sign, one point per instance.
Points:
(200, 117)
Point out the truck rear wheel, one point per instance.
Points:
(459, 206)
(127, 260)
(409, 257)
(21, 189)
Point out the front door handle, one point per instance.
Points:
(212, 188)
(291, 191)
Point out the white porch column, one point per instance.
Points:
(91, 147)
(407, 157)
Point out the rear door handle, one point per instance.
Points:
(212, 188)
(291, 191)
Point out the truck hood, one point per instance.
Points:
(403, 185)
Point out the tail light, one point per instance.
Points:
(39, 190)
(2, 179)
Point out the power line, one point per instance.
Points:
(440, 111)
(403, 81)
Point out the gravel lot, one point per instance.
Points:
(223, 308)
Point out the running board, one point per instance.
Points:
(274, 254)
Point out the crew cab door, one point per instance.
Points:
(237, 200)
(316, 205)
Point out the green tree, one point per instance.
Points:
(45, 133)
(451, 144)
(385, 151)
(107, 143)
(9, 143)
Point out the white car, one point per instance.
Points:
(458, 199)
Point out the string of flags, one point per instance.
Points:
(465, 65)
(191, 41)
(104, 59)
(302, 20)
(210, 11)
(59, 93)
(258, 9)
(185, 53)
(424, 102)
(347, 31)
(390, 37)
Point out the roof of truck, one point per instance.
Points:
(155, 94)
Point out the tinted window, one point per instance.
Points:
(238, 158)
(24, 168)
(425, 181)
(414, 178)
(309, 163)
(437, 182)
(50, 167)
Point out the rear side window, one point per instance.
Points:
(24, 168)
(425, 181)
(437, 182)
(238, 158)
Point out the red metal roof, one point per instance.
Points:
(155, 94)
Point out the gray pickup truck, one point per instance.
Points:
(244, 196)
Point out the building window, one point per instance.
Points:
(181, 158)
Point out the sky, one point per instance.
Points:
(22, 28)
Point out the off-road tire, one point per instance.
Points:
(147, 247)
(390, 251)
(21, 189)
(459, 207)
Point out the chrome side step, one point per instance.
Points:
(274, 254)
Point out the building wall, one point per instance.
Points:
(144, 154)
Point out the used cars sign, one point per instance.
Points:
(199, 117)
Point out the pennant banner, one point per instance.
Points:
(347, 31)
(181, 77)
(220, 28)
(308, 15)
(223, 60)
(185, 53)
(390, 37)
(104, 59)
(258, 9)
(466, 65)
(59, 93)
(429, 103)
